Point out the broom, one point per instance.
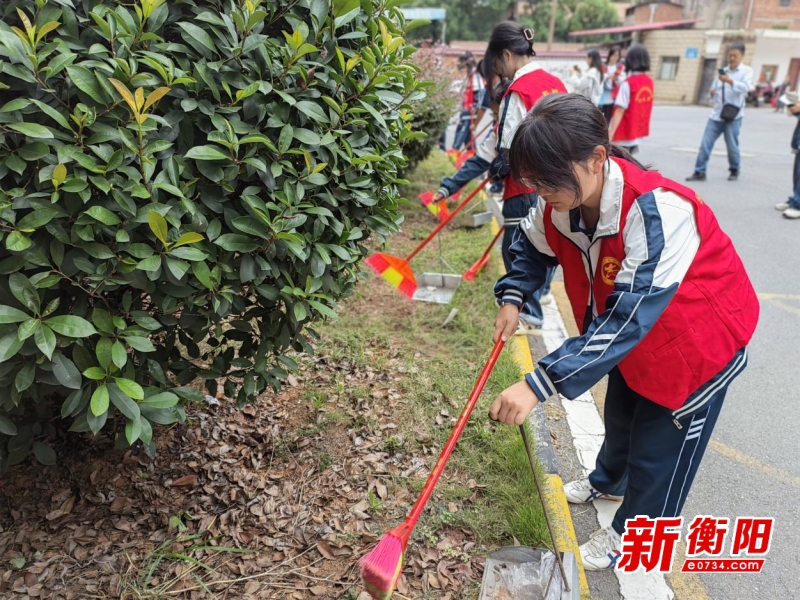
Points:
(439, 209)
(381, 568)
(478, 265)
(396, 270)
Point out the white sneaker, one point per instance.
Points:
(782, 206)
(548, 298)
(602, 551)
(581, 492)
(527, 328)
(792, 213)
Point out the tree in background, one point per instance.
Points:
(593, 14)
(475, 19)
(571, 15)
(466, 19)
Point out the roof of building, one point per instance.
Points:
(632, 28)
(558, 49)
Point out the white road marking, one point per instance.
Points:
(588, 432)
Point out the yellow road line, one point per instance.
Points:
(687, 586)
(755, 464)
(777, 300)
(768, 296)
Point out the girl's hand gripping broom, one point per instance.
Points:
(381, 568)
(396, 270)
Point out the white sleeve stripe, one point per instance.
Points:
(633, 312)
(595, 348)
(539, 372)
(539, 385)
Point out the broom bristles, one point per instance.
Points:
(381, 568)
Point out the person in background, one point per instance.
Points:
(509, 55)
(633, 105)
(474, 91)
(791, 208)
(483, 101)
(590, 83)
(485, 153)
(729, 94)
(613, 76)
(782, 89)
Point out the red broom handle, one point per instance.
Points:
(447, 220)
(489, 248)
(453, 439)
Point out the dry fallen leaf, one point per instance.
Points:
(433, 581)
(325, 549)
(185, 480)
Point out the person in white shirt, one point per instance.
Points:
(613, 76)
(729, 94)
(590, 83)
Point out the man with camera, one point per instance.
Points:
(729, 94)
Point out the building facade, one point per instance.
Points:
(749, 15)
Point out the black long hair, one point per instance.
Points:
(559, 131)
(511, 36)
(597, 63)
(611, 52)
(637, 59)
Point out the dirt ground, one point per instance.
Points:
(275, 501)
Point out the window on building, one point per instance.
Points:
(786, 2)
(669, 67)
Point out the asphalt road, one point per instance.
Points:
(752, 467)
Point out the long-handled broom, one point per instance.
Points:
(381, 568)
(439, 209)
(478, 265)
(397, 271)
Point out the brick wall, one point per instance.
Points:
(674, 43)
(643, 13)
(768, 14)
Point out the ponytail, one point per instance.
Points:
(559, 131)
(511, 36)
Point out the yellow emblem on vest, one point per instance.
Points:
(609, 269)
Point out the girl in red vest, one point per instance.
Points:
(509, 55)
(634, 102)
(661, 299)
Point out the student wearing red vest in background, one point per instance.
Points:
(661, 299)
(634, 102)
(474, 94)
(509, 55)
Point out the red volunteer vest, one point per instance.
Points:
(712, 315)
(530, 87)
(635, 122)
(469, 93)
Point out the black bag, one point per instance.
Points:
(729, 111)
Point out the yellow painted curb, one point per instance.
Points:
(553, 491)
(564, 532)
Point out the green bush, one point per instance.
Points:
(433, 112)
(184, 188)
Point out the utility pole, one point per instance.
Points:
(552, 31)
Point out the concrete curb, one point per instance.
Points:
(564, 531)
